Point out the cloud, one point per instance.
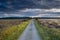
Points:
(5, 14)
(23, 4)
(16, 15)
(53, 10)
(33, 13)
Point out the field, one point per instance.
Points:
(11, 29)
(48, 29)
(52, 23)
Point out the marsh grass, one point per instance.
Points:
(47, 33)
(13, 32)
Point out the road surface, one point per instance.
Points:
(30, 33)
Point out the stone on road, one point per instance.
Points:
(30, 33)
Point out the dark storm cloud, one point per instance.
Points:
(10, 5)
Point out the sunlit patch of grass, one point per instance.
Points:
(12, 33)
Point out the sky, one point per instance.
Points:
(30, 8)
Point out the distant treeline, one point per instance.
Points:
(16, 18)
(30, 18)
